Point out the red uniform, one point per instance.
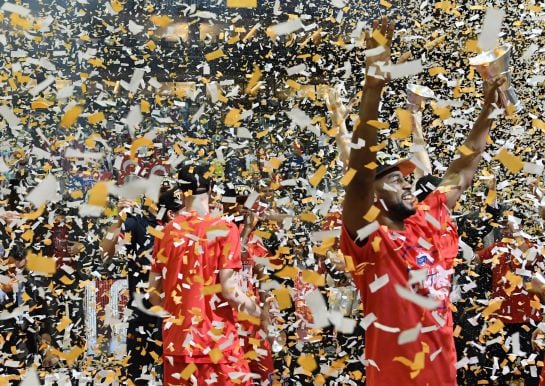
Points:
(509, 276)
(201, 336)
(417, 261)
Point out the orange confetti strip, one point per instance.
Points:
(211, 289)
(379, 38)
(313, 277)
(233, 118)
(95, 118)
(71, 116)
(241, 3)
(214, 55)
(512, 162)
(161, 21)
(315, 179)
(188, 371)
(348, 177)
(43, 264)
(156, 232)
(283, 297)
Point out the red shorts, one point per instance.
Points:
(173, 366)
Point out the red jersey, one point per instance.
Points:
(509, 276)
(189, 257)
(415, 262)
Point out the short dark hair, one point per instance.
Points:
(170, 200)
(18, 251)
(194, 178)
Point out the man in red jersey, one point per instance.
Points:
(195, 271)
(510, 264)
(404, 252)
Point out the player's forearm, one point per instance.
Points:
(476, 139)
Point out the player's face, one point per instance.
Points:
(394, 195)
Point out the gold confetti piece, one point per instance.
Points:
(538, 124)
(463, 149)
(307, 362)
(69, 356)
(493, 306)
(288, 272)
(386, 4)
(512, 162)
(315, 179)
(282, 296)
(405, 124)
(379, 38)
(138, 143)
(241, 3)
(243, 316)
(144, 106)
(39, 263)
(378, 124)
(63, 323)
(215, 355)
(263, 234)
(490, 197)
(34, 215)
(95, 118)
(293, 84)
(436, 71)
(96, 62)
(534, 8)
(155, 232)
(161, 21)
(188, 371)
(308, 217)
(98, 194)
(28, 235)
(495, 326)
(371, 214)
(376, 243)
(211, 289)
(252, 86)
(313, 277)
(232, 118)
(196, 141)
(151, 45)
(117, 6)
(71, 116)
(40, 103)
(348, 176)
(214, 55)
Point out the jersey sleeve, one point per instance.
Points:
(230, 249)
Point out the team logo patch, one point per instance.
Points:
(422, 259)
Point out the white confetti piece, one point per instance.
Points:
(409, 335)
(133, 119)
(401, 70)
(42, 86)
(367, 230)
(415, 298)
(14, 8)
(491, 29)
(251, 199)
(45, 191)
(11, 119)
(136, 78)
(378, 283)
(287, 27)
(317, 305)
(134, 28)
